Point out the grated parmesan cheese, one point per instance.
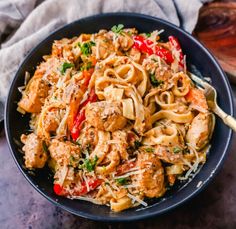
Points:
(130, 174)
(86, 182)
(134, 198)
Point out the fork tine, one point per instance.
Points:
(199, 81)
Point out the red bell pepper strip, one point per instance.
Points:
(143, 45)
(78, 122)
(58, 189)
(176, 45)
(77, 125)
(87, 76)
(92, 185)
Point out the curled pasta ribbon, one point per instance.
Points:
(120, 204)
(151, 95)
(104, 82)
(139, 124)
(142, 75)
(102, 147)
(178, 118)
(113, 60)
(149, 100)
(125, 73)
(162, 135)
(40, 127)
(113, 158)
(181, 84)
(113, 94)
(166, 100)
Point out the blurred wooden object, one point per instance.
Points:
(216, 29)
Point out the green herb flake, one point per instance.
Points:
(137, 144)
(86, 66)
(122, 181)
(154, 81)
(86, 48)
(118, 29)
(149, 150)
(148, 34)
(65, 66)
(45, 147)
(90, 164)
(71, 160)
(176, 149)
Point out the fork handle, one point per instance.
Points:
(227, 119)
(231, 122)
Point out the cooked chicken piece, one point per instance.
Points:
(124, 42)
(88, 135)
(59, 45)
(155, 65)
(151, 180)
(200, 130)
(52, 120)
(120, 141)
(111, 161)
(105, 115)
(62, 151)
(34, 95)
(35, 156)
(104, 47)
(168, 155)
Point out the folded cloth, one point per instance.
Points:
(23, 23)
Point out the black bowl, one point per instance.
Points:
(198, 58)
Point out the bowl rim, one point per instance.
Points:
(145, 215)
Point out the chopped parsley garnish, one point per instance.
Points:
(65, 66)
(176, 149)
(148, 34)
(71, 161)
(117, 28)
(86, 48)
(86, 66)
(137, 144)
(149, 150)
(122, 181)
(45, 147)
(90, 164)
(154, 81)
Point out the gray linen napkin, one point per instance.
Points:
(23, 23)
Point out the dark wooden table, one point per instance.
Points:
(22, 207)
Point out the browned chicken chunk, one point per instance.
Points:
(105, 115)
(151, 179)
(35, 156)
(168, 155)
(200, 130)
(34, 95)
(63, 151)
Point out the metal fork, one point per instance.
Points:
(211, 96)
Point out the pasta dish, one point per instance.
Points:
(115, 116)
